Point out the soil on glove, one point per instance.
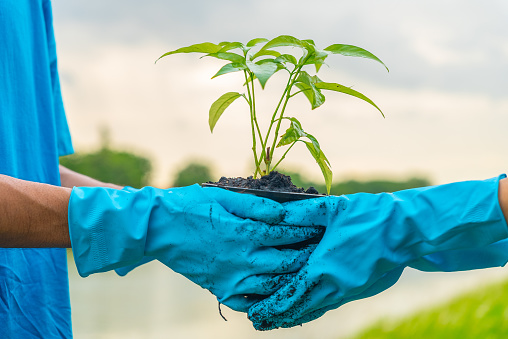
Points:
(274, 181)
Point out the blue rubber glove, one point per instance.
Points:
(494, 255)
(370, 238)
(201, 233)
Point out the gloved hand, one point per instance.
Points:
(201, 233)
(370, 238)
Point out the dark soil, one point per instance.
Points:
(274, 181)
(274, 186)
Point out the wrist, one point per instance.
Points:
(503, 196)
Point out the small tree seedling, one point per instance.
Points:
(260, 59)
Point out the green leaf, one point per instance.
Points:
(262, 71)
(354, 51)
(253, 77)
(288, 41)
(317, 147)
(346, 90)
(317, 59)
(265, 52)
(233, 57)
(323, 163)
(219, 106)
(230, 68)
(285, 40)
(295, 132)
(265, 61)
(231, 45)
(307, 91)
(310, 42)
(296, 125)
(285, 58)
(256, 41)
(291, 135)
(205, 47)
(306, 83)
(273, 61)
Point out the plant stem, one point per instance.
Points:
(254, 150)
(301, 91)
(288, 96)
(274, 117)
(254, 117)
(283, 156)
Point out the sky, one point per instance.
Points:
(445, 97)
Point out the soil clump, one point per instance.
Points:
(274, 181)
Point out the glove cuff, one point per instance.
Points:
(455, 216)
(107, 227)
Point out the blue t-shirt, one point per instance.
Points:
(34, 289)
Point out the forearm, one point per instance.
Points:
(70, 179)
(33, 214)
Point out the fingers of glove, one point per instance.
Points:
(254, 289)
(247, 206)
(277, 235)
(262, 284)
(122, 271)
(313, 212)
(273, 261)
(282, 320)
(292, 317)
(267, 313)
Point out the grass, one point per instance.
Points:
(481, 314)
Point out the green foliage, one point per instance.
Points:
(107, 165)
(378, 186)
(193, 173)
(479, 314)
(355, 186)
(219, 106)
(262, 65)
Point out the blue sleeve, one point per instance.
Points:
(64, 142)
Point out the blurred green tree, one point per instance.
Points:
(113, 166)
(378, 186)
(355, 186)
(194, 172)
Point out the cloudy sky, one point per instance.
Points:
(445, 97)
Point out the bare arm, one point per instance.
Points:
(33, 214)
(503, 197)
(70, 179)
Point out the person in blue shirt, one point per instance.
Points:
(223, 241)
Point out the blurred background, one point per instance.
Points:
(138, 123)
